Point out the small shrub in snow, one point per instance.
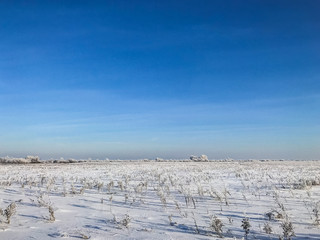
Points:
(125, 222)
(196, 224)
(287, 228)
(267, 228)
(316, 212)
(189, 199)
(246, 226)
(9, 211)
(110, 185)
(51, 214)
(120, 185)
(216, 225)
(42, 202)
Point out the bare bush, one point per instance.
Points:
(51, 214)
(287, 228)
(246, 226)
(10, 211)
(267, 228)
(216, 225)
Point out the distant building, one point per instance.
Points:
(33, 159)
(202, 158)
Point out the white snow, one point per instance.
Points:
(159, 200)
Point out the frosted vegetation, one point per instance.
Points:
(160, 200)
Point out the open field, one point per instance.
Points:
(160, 200)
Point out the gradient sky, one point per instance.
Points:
(146, 79)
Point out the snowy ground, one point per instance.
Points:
(160, 200)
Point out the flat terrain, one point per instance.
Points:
(160, 200)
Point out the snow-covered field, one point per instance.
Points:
(160, 200)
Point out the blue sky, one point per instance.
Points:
(145, 79)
